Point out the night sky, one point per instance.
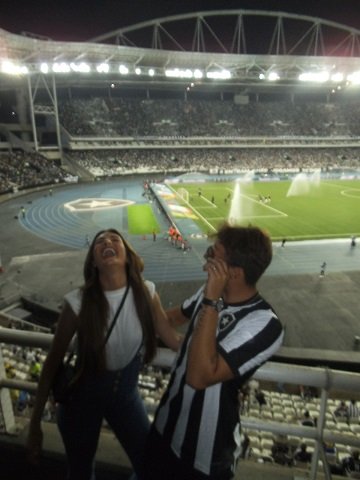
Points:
(79, 20)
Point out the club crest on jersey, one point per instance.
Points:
(225, 320)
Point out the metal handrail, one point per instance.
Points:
(322, 378)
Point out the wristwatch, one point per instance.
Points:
(217, 304)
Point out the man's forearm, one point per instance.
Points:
(203, 355)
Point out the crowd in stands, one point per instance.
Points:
(19, 169)
(342, 416)
(116, 162)
(23, 170)
(110, 117)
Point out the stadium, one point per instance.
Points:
(142, 129)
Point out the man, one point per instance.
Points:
(353, 410)
(232, 331)
(342, 410)
(351, 464)
(302, 455)
(307, 421)
(322, 270)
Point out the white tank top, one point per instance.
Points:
(126, 338)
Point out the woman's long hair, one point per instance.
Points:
(95, 309)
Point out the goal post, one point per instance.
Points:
(184, 194)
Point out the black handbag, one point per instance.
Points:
(64, 379)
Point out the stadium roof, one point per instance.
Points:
(251, 50)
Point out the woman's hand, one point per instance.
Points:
(164, 327)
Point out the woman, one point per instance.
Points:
(106, 382)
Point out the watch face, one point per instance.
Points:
(220, 305)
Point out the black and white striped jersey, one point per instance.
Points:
(203, 426)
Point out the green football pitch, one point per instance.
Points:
(298, 210)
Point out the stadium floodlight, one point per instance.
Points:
(10, 68)
(273, 76)
(44, 68)
(61, 67)
(198, 73)
(123, 69)
(151, 72)
(354, 78)
(138, 71)
(103, 68)
(317, 77)
(337, 77)
(219, 75)
(179, 73)
(262, 76)
(173, 72)
(80, 67)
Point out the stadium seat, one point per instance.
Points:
(355, 429)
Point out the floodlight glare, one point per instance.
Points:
(337, 77)
(179, 73)
(151, 72)
(61, 67)
(198, 73)
(123, 70)
(44, 68)
(138, 71)
(102, 68)
(318, 77)
(222, 75)
(80, 67)
(12, 69)
(354, 78)
(273, 76)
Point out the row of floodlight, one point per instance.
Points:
(11, 68)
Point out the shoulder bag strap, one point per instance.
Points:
(116, 315)
(70, 356)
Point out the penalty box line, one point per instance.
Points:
(279, 212)
(192, 208)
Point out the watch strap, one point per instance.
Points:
(211, 303)
(216, 304)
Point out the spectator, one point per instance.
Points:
(108, 359)
(331, 456)
(322, 270)
(351, 464)
(280, 451)
(301, 454)
(245, 447)
(197, 421)
(341, 410)
(307, 421)
(260, 397)
(353, 410)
